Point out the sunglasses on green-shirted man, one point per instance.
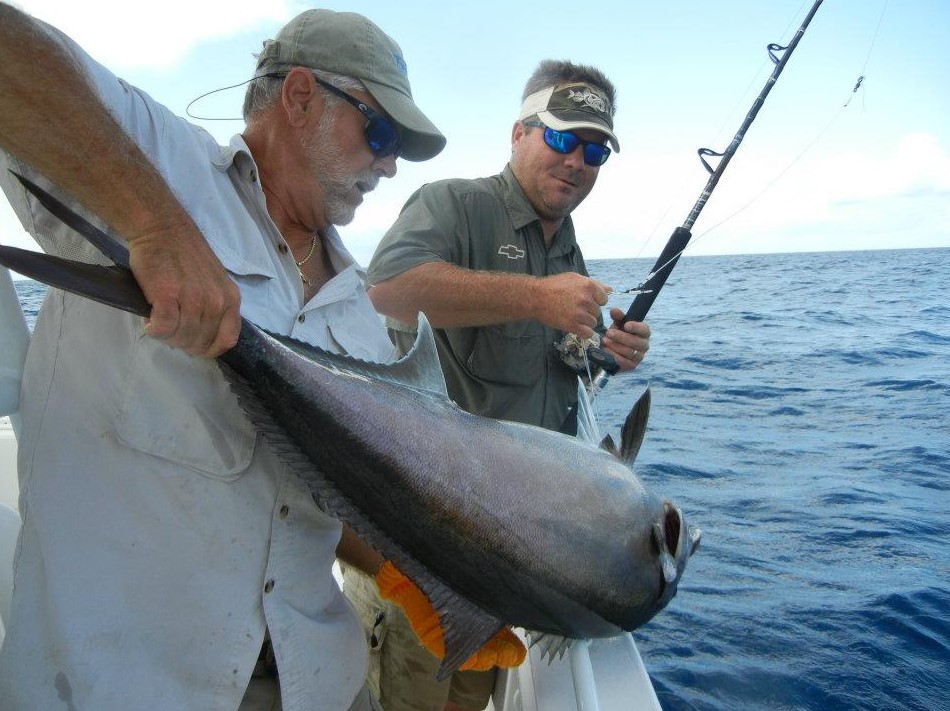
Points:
(595, 154)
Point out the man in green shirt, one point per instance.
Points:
(495, 266)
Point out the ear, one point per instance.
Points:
(517, 131)
(300, 98)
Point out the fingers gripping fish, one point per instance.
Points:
(499, 523)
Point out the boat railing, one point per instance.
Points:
(13, 343)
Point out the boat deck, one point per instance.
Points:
(8, 480)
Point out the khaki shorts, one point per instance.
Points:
(263, 690)
(263, 694)
(402, 671)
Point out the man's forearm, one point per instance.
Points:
(52, 119)
(453, 297)
(354, 552)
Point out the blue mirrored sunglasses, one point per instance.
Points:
(595, 154)
(380, 132)
(381, 135)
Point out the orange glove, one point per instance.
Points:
(502, 650)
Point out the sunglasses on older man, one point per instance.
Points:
(566, 142)
(380, 132)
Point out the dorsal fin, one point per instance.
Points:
(632, 432)
(634, 428)
(419, 369)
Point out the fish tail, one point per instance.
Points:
(111, 285)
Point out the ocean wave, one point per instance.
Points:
(904, 385)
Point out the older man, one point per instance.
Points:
(163, 542)
(495, 266)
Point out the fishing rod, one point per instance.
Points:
(603, 365)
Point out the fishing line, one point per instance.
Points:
(728, 119)
(768, 186)
(743, 99)
(859, 84)
(649, 289)
(861, 77)
(209, 93)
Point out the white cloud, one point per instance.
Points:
(124, 35)
(918, 163)
(836, 199)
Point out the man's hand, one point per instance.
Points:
(570, 302)
(503, 650)
(195, 305)
(52, 118)
(628, 343)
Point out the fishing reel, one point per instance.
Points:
(585, 357)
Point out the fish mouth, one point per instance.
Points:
(672, 522)
(675, 542)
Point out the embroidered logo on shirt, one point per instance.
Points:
(511, 251)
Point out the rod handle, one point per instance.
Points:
(661, 270)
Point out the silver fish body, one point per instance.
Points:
(540, 529)
(498, 523)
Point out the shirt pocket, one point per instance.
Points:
(182, 410)
(508, 354)
(358, 332)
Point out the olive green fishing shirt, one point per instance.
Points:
(509, 370)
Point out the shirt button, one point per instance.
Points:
(268, 586)
(302, 317)
(284, 510)
(282, 248)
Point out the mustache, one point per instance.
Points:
(367, 181)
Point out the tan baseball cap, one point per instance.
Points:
(348, 44)
(569, 106)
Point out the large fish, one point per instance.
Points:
(498, 523)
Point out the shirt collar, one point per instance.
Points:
(522, 214)
(238, 155)
(229, 154)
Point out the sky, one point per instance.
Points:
(810, 175)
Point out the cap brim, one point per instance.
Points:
(420, 139)
(572, 120)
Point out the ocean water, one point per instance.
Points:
(801, 419)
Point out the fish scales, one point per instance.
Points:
(497, 522)
(497, 509)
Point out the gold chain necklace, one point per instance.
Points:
(313, 246)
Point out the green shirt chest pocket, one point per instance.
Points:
(511, 354)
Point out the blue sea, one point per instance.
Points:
(801, 419)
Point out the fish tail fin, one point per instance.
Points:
(111, 285)
(111, 247)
